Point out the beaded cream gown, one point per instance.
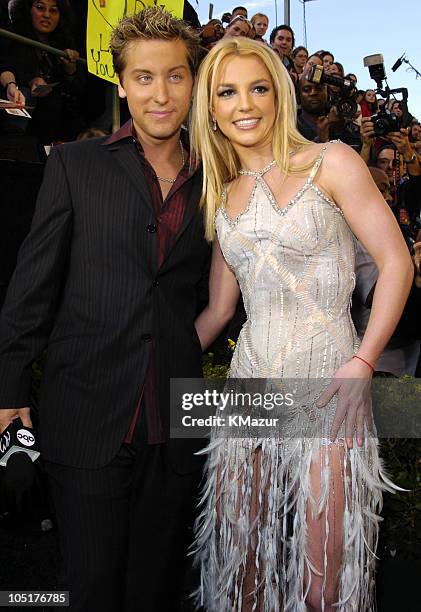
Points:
(286, 516)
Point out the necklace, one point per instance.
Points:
(183, 161)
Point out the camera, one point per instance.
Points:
(344, 99)
(385, 121)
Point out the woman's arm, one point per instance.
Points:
(223, 297)
(345, 177)
(348, 180)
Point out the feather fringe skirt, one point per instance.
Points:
(254, 530)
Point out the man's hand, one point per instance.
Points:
(417, 263)
(44, 89)
(70, 63)
(367, 131)
(325, 121)
(7, 415)
(401, 142)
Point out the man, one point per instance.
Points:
(282, 40)
(238, 26)
(312, 122)
(239, 10)
(109, 280)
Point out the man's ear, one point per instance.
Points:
(121, 90)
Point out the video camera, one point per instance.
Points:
(344, 100)
(385, 121)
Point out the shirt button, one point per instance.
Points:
(146, 337)
(151, 228)
(155, 283)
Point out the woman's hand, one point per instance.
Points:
(70, 63)
(352, 384)
(14, 94)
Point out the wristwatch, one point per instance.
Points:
(413, 159)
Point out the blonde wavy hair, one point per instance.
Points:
(219, 159)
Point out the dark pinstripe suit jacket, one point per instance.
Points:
(85, 288)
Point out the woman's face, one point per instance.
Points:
(300, 59)
(45, 16)
(370, 96)
(261, 25)
(244, 102)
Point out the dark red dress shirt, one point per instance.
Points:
(169, 214)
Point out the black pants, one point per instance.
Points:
(124, 531)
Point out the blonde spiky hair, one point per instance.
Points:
(220, 161)
(152, 23)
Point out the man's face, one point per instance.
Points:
(239, 11)
(157, 83)
(416, 132)
(313, 98)
(238, 27)
(385, 161)
(396, 108)
(382, 182)
(283, 42)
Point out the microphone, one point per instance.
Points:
(18, 451)
(398, 63)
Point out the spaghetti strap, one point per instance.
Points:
(318, 161)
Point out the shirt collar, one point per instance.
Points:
(124, 132)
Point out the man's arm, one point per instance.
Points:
(28, 312)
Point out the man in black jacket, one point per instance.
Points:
(109, 281)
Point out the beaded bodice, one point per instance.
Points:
(295, 268)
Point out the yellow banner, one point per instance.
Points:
(103, 16)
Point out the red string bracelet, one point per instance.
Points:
(364, 361)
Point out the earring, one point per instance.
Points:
(214, 125)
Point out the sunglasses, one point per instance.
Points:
(241, 18)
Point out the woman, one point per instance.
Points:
(369, 103)
(289, 521)
(260, 23)
(314, 60)
(299, 57)
(56, 86)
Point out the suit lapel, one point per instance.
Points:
(126, 156)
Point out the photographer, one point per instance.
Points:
(405, 181)
(401, 354)
(314, 118)
(341, 121)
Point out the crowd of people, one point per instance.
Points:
(115, 284)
